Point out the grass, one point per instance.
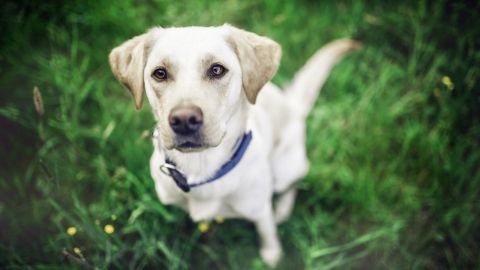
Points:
(393, 139)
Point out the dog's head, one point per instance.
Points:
(196, 79)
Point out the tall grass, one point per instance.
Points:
(393, 139)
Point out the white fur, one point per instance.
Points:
(276, 157)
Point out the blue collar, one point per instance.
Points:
(169, 168)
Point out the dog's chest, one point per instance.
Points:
(238, 193)
(207, 209)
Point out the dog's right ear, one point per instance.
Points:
(128, 63)
(259, 59)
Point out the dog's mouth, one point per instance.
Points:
(193, 143)
(189, 147)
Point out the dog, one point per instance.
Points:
(226, 138)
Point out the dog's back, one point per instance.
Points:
(287, 110)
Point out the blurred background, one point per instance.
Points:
(393, 139)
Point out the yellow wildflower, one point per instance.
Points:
(109, 229)
(219, 219)
(448, 82)
(71, 231)
(77, 251)
(203, 227)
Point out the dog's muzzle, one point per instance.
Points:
(185, 120)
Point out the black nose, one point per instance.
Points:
(185, 120)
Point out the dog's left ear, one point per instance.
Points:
(259, 59)
(128, 63)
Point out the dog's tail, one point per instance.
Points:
(306, 84)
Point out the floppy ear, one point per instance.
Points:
(259, 59)
(128, 62)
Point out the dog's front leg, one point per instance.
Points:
(271, 250)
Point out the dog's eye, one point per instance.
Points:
(216, 71)
(160, 74)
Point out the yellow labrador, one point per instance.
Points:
(227, 139)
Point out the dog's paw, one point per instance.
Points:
(271, 256)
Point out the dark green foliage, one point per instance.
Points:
(393, 140)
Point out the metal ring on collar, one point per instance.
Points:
(164, 168)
